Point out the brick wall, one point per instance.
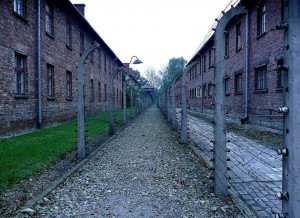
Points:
(18, 34)
(201, 76)
(264, 50)
(14, 34)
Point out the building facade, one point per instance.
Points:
(41, 42)
(253, 52)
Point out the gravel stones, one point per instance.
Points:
(142, 172)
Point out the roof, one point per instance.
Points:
(210, 34)
(71, 9)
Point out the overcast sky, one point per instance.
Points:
(153, 30)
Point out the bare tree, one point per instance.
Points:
(153, 78)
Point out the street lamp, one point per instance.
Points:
(136, 61)
(111, 98)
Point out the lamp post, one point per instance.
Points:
(111, 93)
(111, 100)
(136, 61)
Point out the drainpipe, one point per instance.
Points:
(39, 123)
(247, 64)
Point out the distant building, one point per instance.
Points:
(64, 36)
(264, 89)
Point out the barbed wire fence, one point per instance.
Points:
(240, 165)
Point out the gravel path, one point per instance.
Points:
(142, 172)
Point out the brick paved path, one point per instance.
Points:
(256, 171)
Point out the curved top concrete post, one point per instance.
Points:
(220, 155)
(80, 102)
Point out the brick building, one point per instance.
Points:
(46, 51)
(253, 52)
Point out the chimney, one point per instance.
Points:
(80, 8)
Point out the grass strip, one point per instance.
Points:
(26, 154)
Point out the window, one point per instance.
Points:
(210, 90)
(280, 79)
(99, 90)
(192, 72)
(81, 43)
(227, 85)
(261, 78)
(49, 19)
(20, 64)
(110, 65)
(198, 92)
(280, 75)
(238, 37)
(204, 63)
(69, 86)
(50, 80)
(19, 7)
(117, 94)
(99, 58)
(238, 84)
(209, 59)
(68, 33)
(92, 53)
(105, 92)
(226, 44)
(204, 91)
(282, 5)
(200, 66)
(105, 62)
(261, 19)
(92, 91)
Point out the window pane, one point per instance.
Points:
(20, 74)
(238, 36)
(227, 44)
(261, 19)
(227, 86)
(19, 7)
(68, 33)
(49, 19)
(50, 81)
(238, 83)
(69, 85)
(261, 78)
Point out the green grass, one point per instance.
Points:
(24, 155)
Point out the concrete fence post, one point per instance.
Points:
(183, 137)
(131, 103)
(290, 194)
(80, 103)
(111, 103)
(124, 102)
(169, 104)
(219, 147)
(173, 106)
